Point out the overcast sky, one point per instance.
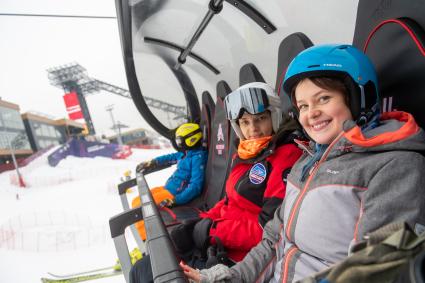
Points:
(31, 45)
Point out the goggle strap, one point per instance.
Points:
(189, 135)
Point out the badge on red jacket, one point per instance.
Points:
(257, 174)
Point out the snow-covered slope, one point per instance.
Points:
(59, 223)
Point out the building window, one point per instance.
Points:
(18, 140)
(44, 130)
(3, 141)
(11, 119)
(37, 128)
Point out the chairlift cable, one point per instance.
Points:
(56, 16)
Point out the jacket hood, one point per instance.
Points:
(397, 131)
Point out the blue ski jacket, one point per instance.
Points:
(187, 181)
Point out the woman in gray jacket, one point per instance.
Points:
(360, 171)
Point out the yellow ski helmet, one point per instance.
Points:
(188, 135)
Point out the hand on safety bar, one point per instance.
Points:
(166, 203)
(146, 165)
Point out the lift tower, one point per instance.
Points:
(70, 77)
(74, 78)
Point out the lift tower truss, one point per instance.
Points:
(74, 77)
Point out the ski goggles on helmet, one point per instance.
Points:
(251, 100)
(189, 140)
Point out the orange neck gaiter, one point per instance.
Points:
(250, 148)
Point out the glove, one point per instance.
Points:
(217, 273)
(166, 202)
(146, 165)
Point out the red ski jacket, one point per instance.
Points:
(254, 189)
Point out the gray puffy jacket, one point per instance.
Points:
(362, 182)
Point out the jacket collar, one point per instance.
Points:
(277, 140)
(396, 127)
(357, 137)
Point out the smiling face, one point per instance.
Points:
(322, 112)
(256, 126)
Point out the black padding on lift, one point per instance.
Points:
(218, 155)
(288, 49)
(394, 39)
(118, 223)
(249, 73)
(164, 262)
(162, 255)
(371, 13)
(207, 115)
(123, 187)
(223, 89)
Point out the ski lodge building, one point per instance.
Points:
(29, 133)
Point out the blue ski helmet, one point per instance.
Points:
(345, 62)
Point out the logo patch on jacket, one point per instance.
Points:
(257, 174)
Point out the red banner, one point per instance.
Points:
(73, 106)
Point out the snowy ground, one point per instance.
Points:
(60, 223)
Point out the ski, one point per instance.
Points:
(81, 278)
(93, 274)
(82, 273)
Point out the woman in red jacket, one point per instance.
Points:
(257, 181)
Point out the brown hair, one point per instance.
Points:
(328, 83)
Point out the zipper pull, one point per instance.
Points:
(313, 167)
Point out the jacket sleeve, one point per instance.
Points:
(214, 212)
(169, 159)
(395, 193)
(258, 264)
(196, 182)
(282, 162)
(240, 234)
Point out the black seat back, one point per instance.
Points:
(207, 115)
(393, 36)
(206, 123)
(218, 154)
(288, 49)
(249, 74)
